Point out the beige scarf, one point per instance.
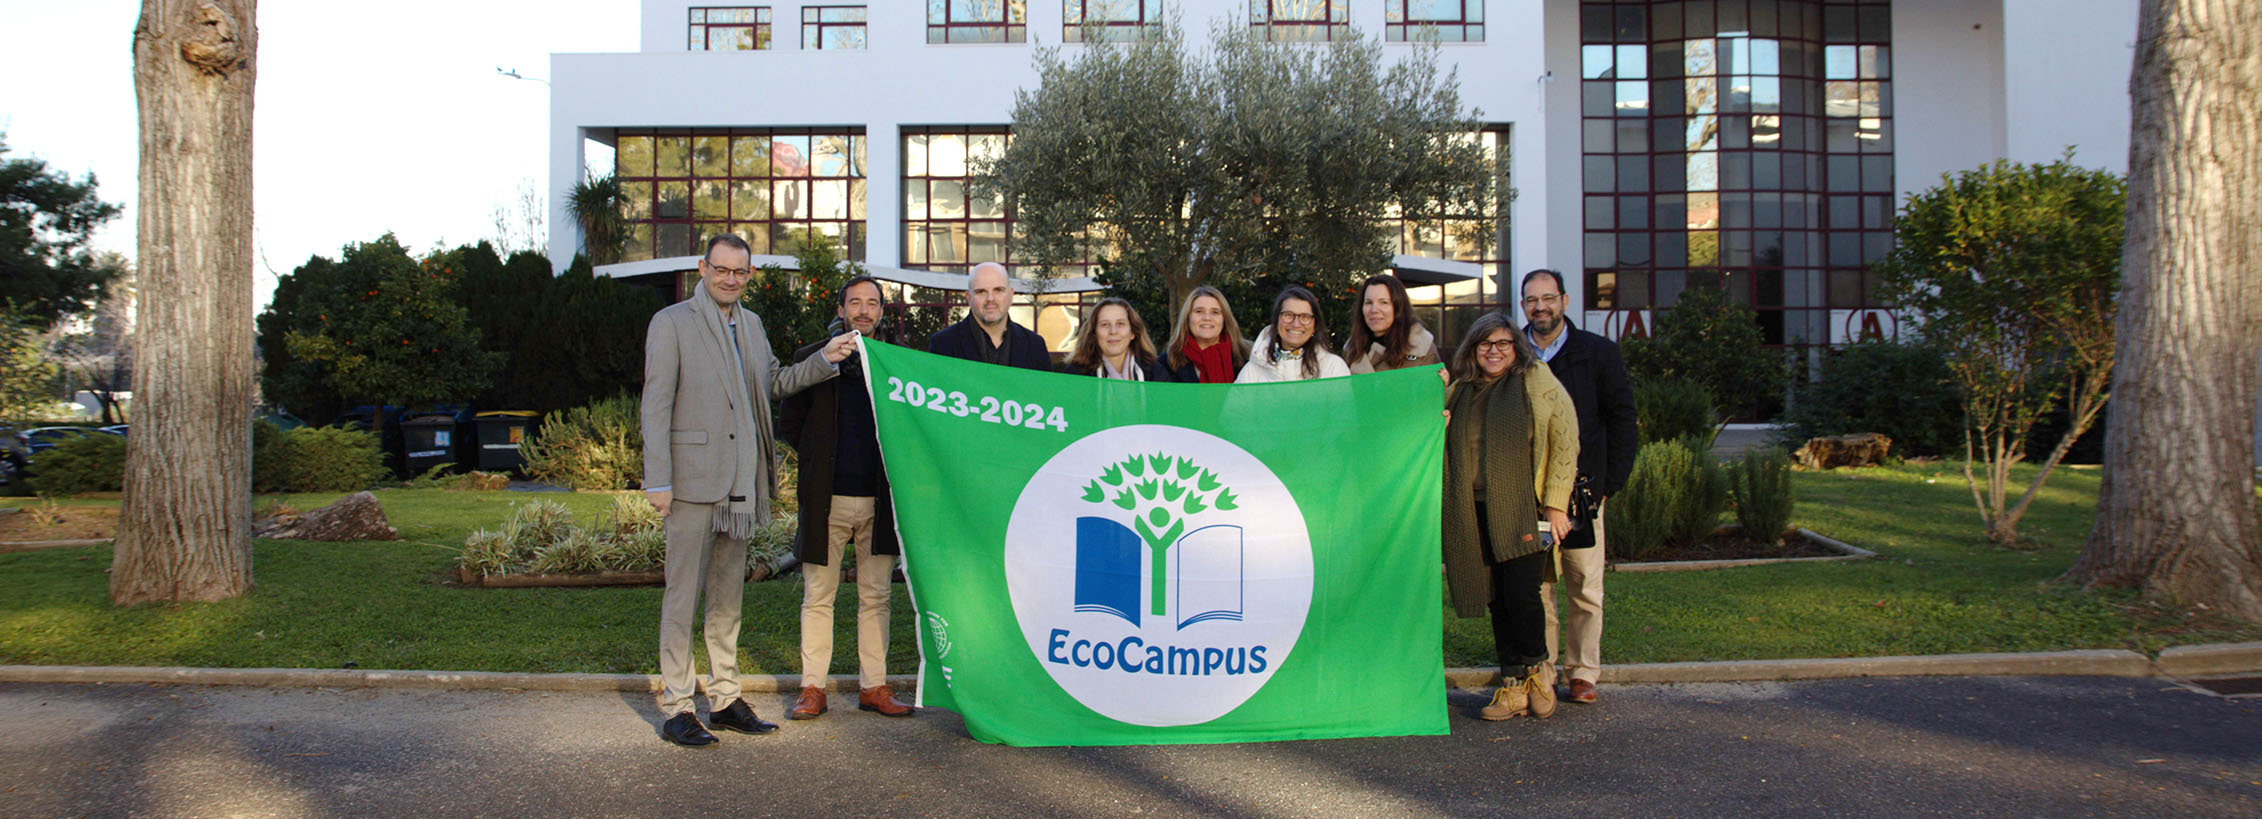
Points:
(741, 514)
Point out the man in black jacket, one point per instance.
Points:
(987, 334)
(844, 498)
(1595, 376)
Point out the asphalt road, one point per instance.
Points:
(2057, 746)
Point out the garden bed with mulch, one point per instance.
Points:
(1729, 547)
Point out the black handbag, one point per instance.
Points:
(1584, 506)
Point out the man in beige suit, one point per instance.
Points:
(709, 377)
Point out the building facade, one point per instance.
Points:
(1761, 143)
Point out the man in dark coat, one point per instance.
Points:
(844, 498)
(1593, 373)
(987, 334)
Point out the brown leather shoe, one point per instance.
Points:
(879, 698)
(809, 705)
(1582, 691)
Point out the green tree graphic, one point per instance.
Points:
(1162, 492)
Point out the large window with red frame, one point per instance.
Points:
(831, 28)
(1747, 143)
(772, 187)
(1300, 21)
(730, 28)
(977, 21)
(1445, 21)
(1117, 21)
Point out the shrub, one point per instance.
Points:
(1902, 391)
(1707, 495)
(541, 537)
(1675, 494)
(1760, 487)
(315, 459)
(1671, 408)
(266, 457)
(598, 446)
(1715, 340)
(1642, 514)
(87, 463)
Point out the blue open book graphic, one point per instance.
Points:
(1107, 568)
(1207, 569)
(1207, 573)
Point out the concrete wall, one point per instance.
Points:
(1973, 80)
(1947, 89)
(2066, 79)
(902, 80)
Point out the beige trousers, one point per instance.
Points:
(700, 559)
(850, 519)
(1580, 571)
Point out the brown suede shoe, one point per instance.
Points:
(810, 704)
(1582, 691)
(879, 698)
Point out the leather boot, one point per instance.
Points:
(1511, 699)
(1539, 691)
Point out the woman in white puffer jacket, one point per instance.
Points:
(1293, 346)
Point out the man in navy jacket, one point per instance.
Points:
(987, 334)
(1593, 373)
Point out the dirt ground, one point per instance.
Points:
(58, 523)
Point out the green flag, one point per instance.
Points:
(1104, 562)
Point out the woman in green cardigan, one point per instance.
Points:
(1511, 454)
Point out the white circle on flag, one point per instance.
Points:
(1081, 566)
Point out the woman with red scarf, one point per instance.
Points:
(1206, 346)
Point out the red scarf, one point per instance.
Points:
(1214, 363)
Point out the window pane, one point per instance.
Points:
(674, 158)
(710, 156)
(632, 156)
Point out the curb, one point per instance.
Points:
(442, 680)
(2217, 658)
(2178, 662)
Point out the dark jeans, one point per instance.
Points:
(1519, 622)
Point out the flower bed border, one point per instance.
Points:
(1846, 552)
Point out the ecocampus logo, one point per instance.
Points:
(1160, 574)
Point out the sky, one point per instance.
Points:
(369, 117)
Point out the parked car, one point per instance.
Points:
(14, 455)
(41, 439)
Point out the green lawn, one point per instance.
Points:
(1937, 587)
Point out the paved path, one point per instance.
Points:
(2014, 746)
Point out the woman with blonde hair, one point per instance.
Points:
(1206, 346)
(1511, 455)
(1384, 333)
(1113, 343)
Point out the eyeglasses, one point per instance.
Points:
(1550, 299)
(1502, 346)
(1297, 318)
(730, 272)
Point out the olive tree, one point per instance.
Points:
(1175, 169)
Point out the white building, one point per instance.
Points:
(1767, 139)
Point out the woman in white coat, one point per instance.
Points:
(1293, 346)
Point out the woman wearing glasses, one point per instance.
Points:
(1384, 333)
(1206, 346)
(1294, 346)
(1114, 344)
(1511, 454)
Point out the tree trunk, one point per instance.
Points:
(2176, 513)
(186, 528)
